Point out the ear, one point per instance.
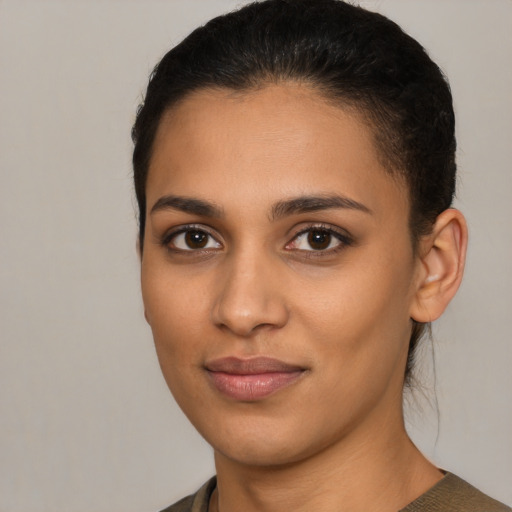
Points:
(442, 258)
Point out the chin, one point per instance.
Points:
(260, 454)
(265, 444)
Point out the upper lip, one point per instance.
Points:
(252, 366)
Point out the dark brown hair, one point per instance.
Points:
(351, 56)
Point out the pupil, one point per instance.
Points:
(319, 239)
(196, 239)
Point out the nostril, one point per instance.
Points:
(244, 314)
(246, 323)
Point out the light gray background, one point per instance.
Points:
(86, 421)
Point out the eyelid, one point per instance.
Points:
(183, 228)
(342, 235)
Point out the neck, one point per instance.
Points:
(363, 472)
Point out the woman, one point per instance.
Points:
(294, 168)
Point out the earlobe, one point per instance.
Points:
(442, 255)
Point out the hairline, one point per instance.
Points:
(357, 107)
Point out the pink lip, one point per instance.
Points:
(251, 379)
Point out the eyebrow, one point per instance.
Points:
(294, 206)
(305, 204)
(187, 205)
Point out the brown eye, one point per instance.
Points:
(319, 239)
(196, 239)
(191, 239)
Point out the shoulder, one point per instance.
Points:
(452, 494)
(197, 502)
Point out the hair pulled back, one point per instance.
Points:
(354, 57)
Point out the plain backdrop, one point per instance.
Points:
(86, 421)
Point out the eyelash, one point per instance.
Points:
(343, 238)
(169, 236)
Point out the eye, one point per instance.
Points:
(191, 239)
(318, 239)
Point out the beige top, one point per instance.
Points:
(450, 494)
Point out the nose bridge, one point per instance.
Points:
(250, 296)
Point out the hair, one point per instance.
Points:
(353, 57)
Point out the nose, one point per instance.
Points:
(250, 297)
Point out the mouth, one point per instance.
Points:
(249, 380)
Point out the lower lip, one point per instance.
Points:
(250, 388)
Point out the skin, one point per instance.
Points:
(333, 439)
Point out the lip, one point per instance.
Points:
(250, 380)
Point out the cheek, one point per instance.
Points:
(175, 316)
(175, 310)
(361, 319)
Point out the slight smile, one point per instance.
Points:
(249, 380)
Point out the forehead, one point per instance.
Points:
(282, 139)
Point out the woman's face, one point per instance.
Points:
(277, 273)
